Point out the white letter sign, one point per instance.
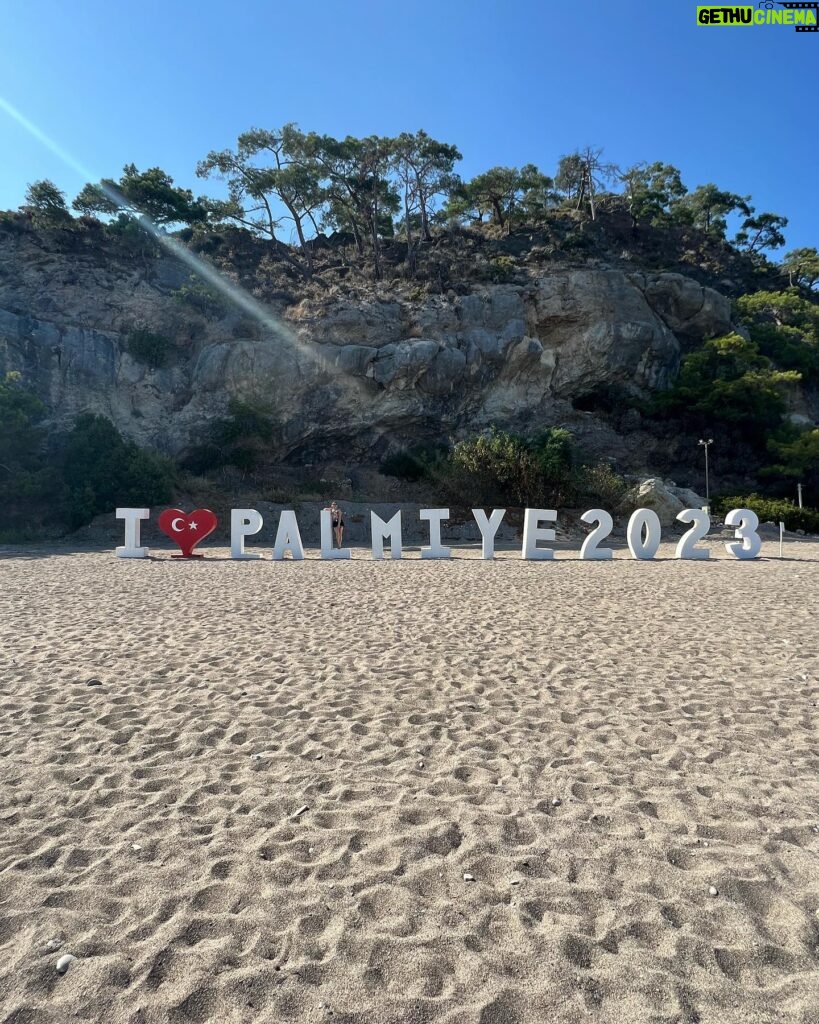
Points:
(327, 550)
(534, 532)
(435, 517)
(381, 531)
(131, 548)
(244, 522)
(288, 538)
(488, 527)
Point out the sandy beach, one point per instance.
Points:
(409, 793)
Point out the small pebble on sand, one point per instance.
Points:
(94, 682)
(556, 801)
(713, 891)
(468, 877)
(64, 963)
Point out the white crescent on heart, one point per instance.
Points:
(174, 527)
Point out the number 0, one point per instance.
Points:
(644, 534)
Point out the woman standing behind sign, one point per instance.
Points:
(337, 522)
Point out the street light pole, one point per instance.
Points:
(706, 445)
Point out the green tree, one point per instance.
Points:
(802, 267)
(502, 193)
(730, 383)
(650, 192)
(25, 481)
(785, 326)
(150, 193)
(582, 175)
(47, 204)
(761, 231)
(360, 197)
(425, 170)
(270, 167)
(102, 470)
(798, 459)
(707, 208)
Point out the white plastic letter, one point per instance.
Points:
(131, 548)
(435, 517)
(687, 544)
(381, 531)
(644, 548)
(534, 532)
(327, 549)
(288, 538)
(746, 523)
(488, 527)
(589, 551)
(244, 522)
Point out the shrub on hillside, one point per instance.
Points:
(244, 438)
(503, 467)
(418, 463)
(771, 510)
(154, 350)
(101, 470)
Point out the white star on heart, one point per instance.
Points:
(192, 526)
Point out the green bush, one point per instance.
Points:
(203, 299)
(418, 463)
(601, 484)
(130, 238)
(502, 269)
(772, 510)
(154, 350)
(101, 470)
(730, 383)
(242, 439)
(785, 326)
(499, 466)
(25, 480)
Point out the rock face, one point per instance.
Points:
(369, 375)
(664, 497)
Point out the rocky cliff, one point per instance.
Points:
(360, 375)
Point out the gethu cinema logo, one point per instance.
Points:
(643, 533)
(803, 16)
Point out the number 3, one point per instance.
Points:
(746, 523)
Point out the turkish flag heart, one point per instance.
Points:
(187, 530)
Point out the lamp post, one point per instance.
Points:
(706, 445)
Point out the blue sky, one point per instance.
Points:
(162, 83)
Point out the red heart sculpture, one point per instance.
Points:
(187, 530)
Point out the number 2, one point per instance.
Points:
(687, 546)
(590, 551)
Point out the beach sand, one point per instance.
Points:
(597, 744)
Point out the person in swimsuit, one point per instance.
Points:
(337, 521)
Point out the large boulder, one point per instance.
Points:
(656, 495)
(686, 307)
(664, 497)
